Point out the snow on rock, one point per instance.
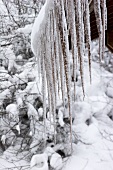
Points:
(4, 94)
(32, 87)
(60, 116)
(40, 112)
(32, 111)
(3, 139)
(10, 56)
(56, 161)
(26, 30)
(19, 101)
(49, 151)
(39, 162)
(12, 109)
(5, 84)
(18, 129)
(81, 112)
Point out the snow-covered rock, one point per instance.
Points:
(60, 118)
(26, 30)
(3, 139)
(49, 151)
(56, 161)
(39, 162)
(13, 112)
(81, 112)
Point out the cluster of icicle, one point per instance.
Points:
(49, 40)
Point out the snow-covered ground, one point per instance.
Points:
(92, 125)
(94, 151)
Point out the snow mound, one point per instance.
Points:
(56, 161)
(39, 162)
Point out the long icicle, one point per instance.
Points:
(88, 33)
(104, 10)
(71, 14)
(79, 39)
(49, 72)
(53, 55)
(65, 49)
(97, 11)
(62, 74)
(57, 54)
(44, 91)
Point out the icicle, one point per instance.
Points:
(44, 92)
(49, 115)
(65, 2)
(73, 39)
(65, 49)
(97, 11)
(53, 56)
(87, 33)
(49, 70)
(82, 26)
(77, 32)
(56, 50)
(79, 39)
(62, 74)
(104, 9)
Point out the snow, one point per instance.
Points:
(39, 25)
(39, 162)
(109, 92)
(13, 112)
(40, 112)
(32, 111)
(60, 116)
(18, 129)
(35, 29)
(94, 149)
(92, 125)
(3, 138)
(56, 161)
(92, 128)
(26, 30)
(49, 151)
